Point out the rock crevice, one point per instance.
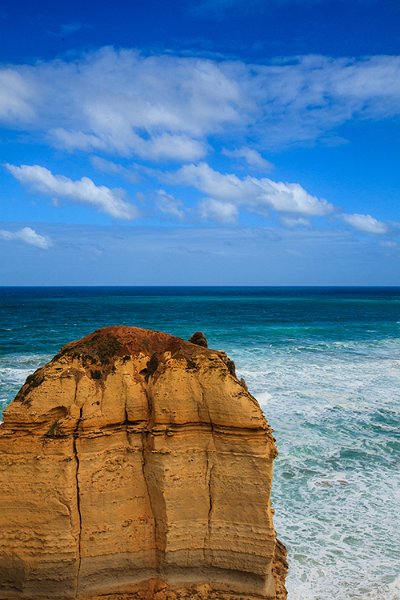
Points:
(78, 497)
(136, 465)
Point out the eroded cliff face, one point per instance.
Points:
(136, 465)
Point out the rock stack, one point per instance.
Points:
(135, 465)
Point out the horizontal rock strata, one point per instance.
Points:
(136, 465)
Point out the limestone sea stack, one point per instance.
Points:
(135, 465)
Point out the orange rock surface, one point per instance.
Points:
(136, 465)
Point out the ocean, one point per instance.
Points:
(324, 364)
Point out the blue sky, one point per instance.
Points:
(209, 142)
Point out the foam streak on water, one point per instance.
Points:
(324, 364)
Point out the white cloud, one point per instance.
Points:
(293, 198)
(251, 156)
(28, 236)
(169, 205)
(156, 107)
(83, 190)
(251, 192)
(217, 210)
(167, 107)
(365, 223)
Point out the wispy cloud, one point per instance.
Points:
(169, 205)
(69, 28)
(365, 223)
(294, 222)
(83, 190)
(166, 107)
(251, 157)
(66, 29)
(114, 138)
(109, 166)
(28, 236)
(208, 8)
(218, 210)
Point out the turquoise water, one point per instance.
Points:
(325, 366)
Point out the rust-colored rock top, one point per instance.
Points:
(136, 465)
(107, 344)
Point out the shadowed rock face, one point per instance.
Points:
(136, 465)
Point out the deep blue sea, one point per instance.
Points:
(324, 364)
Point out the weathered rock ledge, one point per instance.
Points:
(136, 465)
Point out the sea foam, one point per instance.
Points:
(335, 411)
